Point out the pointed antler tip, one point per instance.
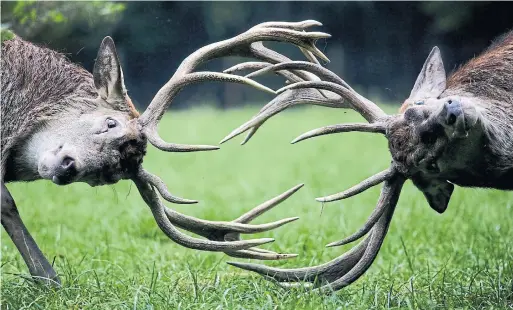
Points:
(335, 197)
(186, 201)
(289, 255)
(230, 136)
(334, 244)
(225, 139)
(314, 22)
(296, 140)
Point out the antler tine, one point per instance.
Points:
(370, 111)
(290, 25)
(196, 77)
(249, 65)
(339, 128)
(376, 240)
(257, 65)
(266, 206)
(347, 268)
(362, 186)
(310, 56)
(272, 57)
(250, 134)
(317, 70)
(261, 52)
(383, 203)
(153, 137)
(209, 228)
(205, 228)
(255, 253)
(252, 254)
(154, 180)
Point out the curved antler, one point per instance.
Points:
(347, 268)
(247, 44)
(221, 236)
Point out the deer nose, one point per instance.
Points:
(67, 163)
(453, 111)
(66, 171)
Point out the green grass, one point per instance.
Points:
(111, 254)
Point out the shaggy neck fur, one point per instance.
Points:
(39, 85)
(489, 77)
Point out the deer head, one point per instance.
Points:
(97, 146)
(432, 141)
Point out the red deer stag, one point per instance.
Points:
(456, 130)
(64, 124)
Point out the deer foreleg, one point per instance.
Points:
(38, 265)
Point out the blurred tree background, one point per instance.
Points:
(378, 47)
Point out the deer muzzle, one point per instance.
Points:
(59, 166)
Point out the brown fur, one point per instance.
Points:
(421, 138)
(38, 84)
(489, 75)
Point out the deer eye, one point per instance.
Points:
(111, 123)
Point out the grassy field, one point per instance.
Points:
(111, 254)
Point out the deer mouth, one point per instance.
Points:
(63, 179)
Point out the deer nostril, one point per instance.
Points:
(451, 119)
(453, 110)
(67, 163)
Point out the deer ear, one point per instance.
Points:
(431, 81)
(437, 192)
(108, 76)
